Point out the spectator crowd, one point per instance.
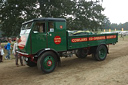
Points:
(8, 48)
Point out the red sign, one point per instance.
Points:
(79, 40)
(61, 26)
(57, 40)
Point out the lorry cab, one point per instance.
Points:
(42, 33)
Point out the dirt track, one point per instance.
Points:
(73, 71)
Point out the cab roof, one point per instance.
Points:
(46, 19)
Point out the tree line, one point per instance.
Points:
(80, 14)
(108, 25)
(119, 26)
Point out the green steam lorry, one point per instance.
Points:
(44, 40)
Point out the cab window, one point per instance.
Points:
(39, 27)
(50, 27)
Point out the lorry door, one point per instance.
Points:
(56, 34)
(38, 37)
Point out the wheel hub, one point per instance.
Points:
(102, 53)
(49, 62)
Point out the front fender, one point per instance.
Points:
(49, 49)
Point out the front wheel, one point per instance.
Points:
(47, 62)
(101, 53)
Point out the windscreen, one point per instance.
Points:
(25, 29)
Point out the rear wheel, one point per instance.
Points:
(47, 62)
(101, 53)
(81, 53)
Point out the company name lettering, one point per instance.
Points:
(74, 40)
(111, 36)
(96, 38)
(57, 39)
(79, 40)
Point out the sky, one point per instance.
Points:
(116, 10)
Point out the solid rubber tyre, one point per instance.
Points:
(47, 62)
(101, 53)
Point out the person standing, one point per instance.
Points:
(122, 36)
(8, 49)
(15, 48)
(1, 53)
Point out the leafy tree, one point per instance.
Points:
(119, 26)
(56, 8)
(80, 14)
(113, 26)
(84, 14)
(87, 15)
(13, 13)
(106, 24)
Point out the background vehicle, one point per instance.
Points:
(124, 33)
